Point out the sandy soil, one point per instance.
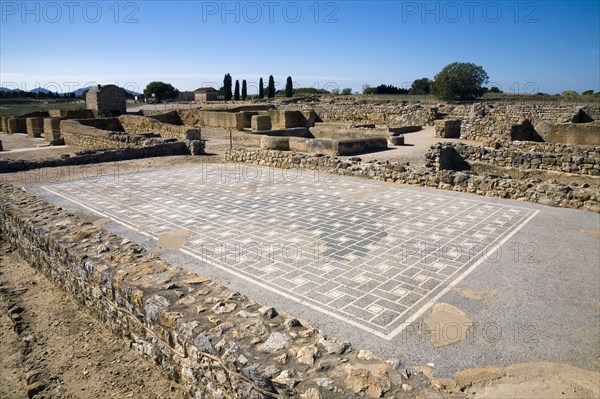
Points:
(415, 146)
(20, 146)
(63, 351)
(530, 381)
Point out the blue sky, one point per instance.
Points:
(525, 46)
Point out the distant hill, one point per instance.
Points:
(79, 92)
(4, 89)
(41, 90)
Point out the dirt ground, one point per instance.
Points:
(61, 351)
(21, 146)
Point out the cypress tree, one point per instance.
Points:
(271, 88)
(244, 90)
(289, 87)
(227, 87)
(261, 89)
(236, 94)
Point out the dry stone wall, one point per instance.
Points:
(109, 133)
(485, 121)
(489, 185)
(219, 343)
(81, 135)
(141, 124)
(543, 156)
(87, 157)
(363, 112)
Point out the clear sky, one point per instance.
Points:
(525, 46)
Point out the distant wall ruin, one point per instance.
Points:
(484, 121)
(108, 100)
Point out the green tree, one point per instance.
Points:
(227, 83)
(244, 90)
(261, 89)
(289, 87)
(236, 93)
(459, 81)
(271, 87)
(347, 91)
(495, 89)
(569, 93)
(162, 91)
(420, 87)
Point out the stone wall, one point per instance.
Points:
(35, 123)
(87, 157)
(126, 131)
(340, 131)
(543, 156)
(52, 131)
(485, 121)
(285, 119)
(142, 124)
(171, 117)
(34, 126)
(569, 133)
(108, 100)
(92, 134)
(338, 147)
(223, 120)
(217, 342)
(533, 190)
(239, 118)
(380, 113)
(15, 125)
(18, 124)
(71, 114)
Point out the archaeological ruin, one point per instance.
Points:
(107, 100)
(179, 261)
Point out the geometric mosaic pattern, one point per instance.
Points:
(369, 253)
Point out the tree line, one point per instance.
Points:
(235, 94)
(458, 81)
(32, 94)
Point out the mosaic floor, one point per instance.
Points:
(372, 254)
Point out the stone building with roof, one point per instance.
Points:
(205, 94)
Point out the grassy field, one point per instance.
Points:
(15, 107)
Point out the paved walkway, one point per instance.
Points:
(372, 262)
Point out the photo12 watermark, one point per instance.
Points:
(90, 173)
(244, 173)
(252, 12)
(471, 12)
(64, 88)
(53, 12)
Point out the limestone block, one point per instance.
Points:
(275, 143)
(192, 134)
(35, 127)
(396, 131)
(16, 125)
(396, 140)
(261, 122)
(446, 128)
